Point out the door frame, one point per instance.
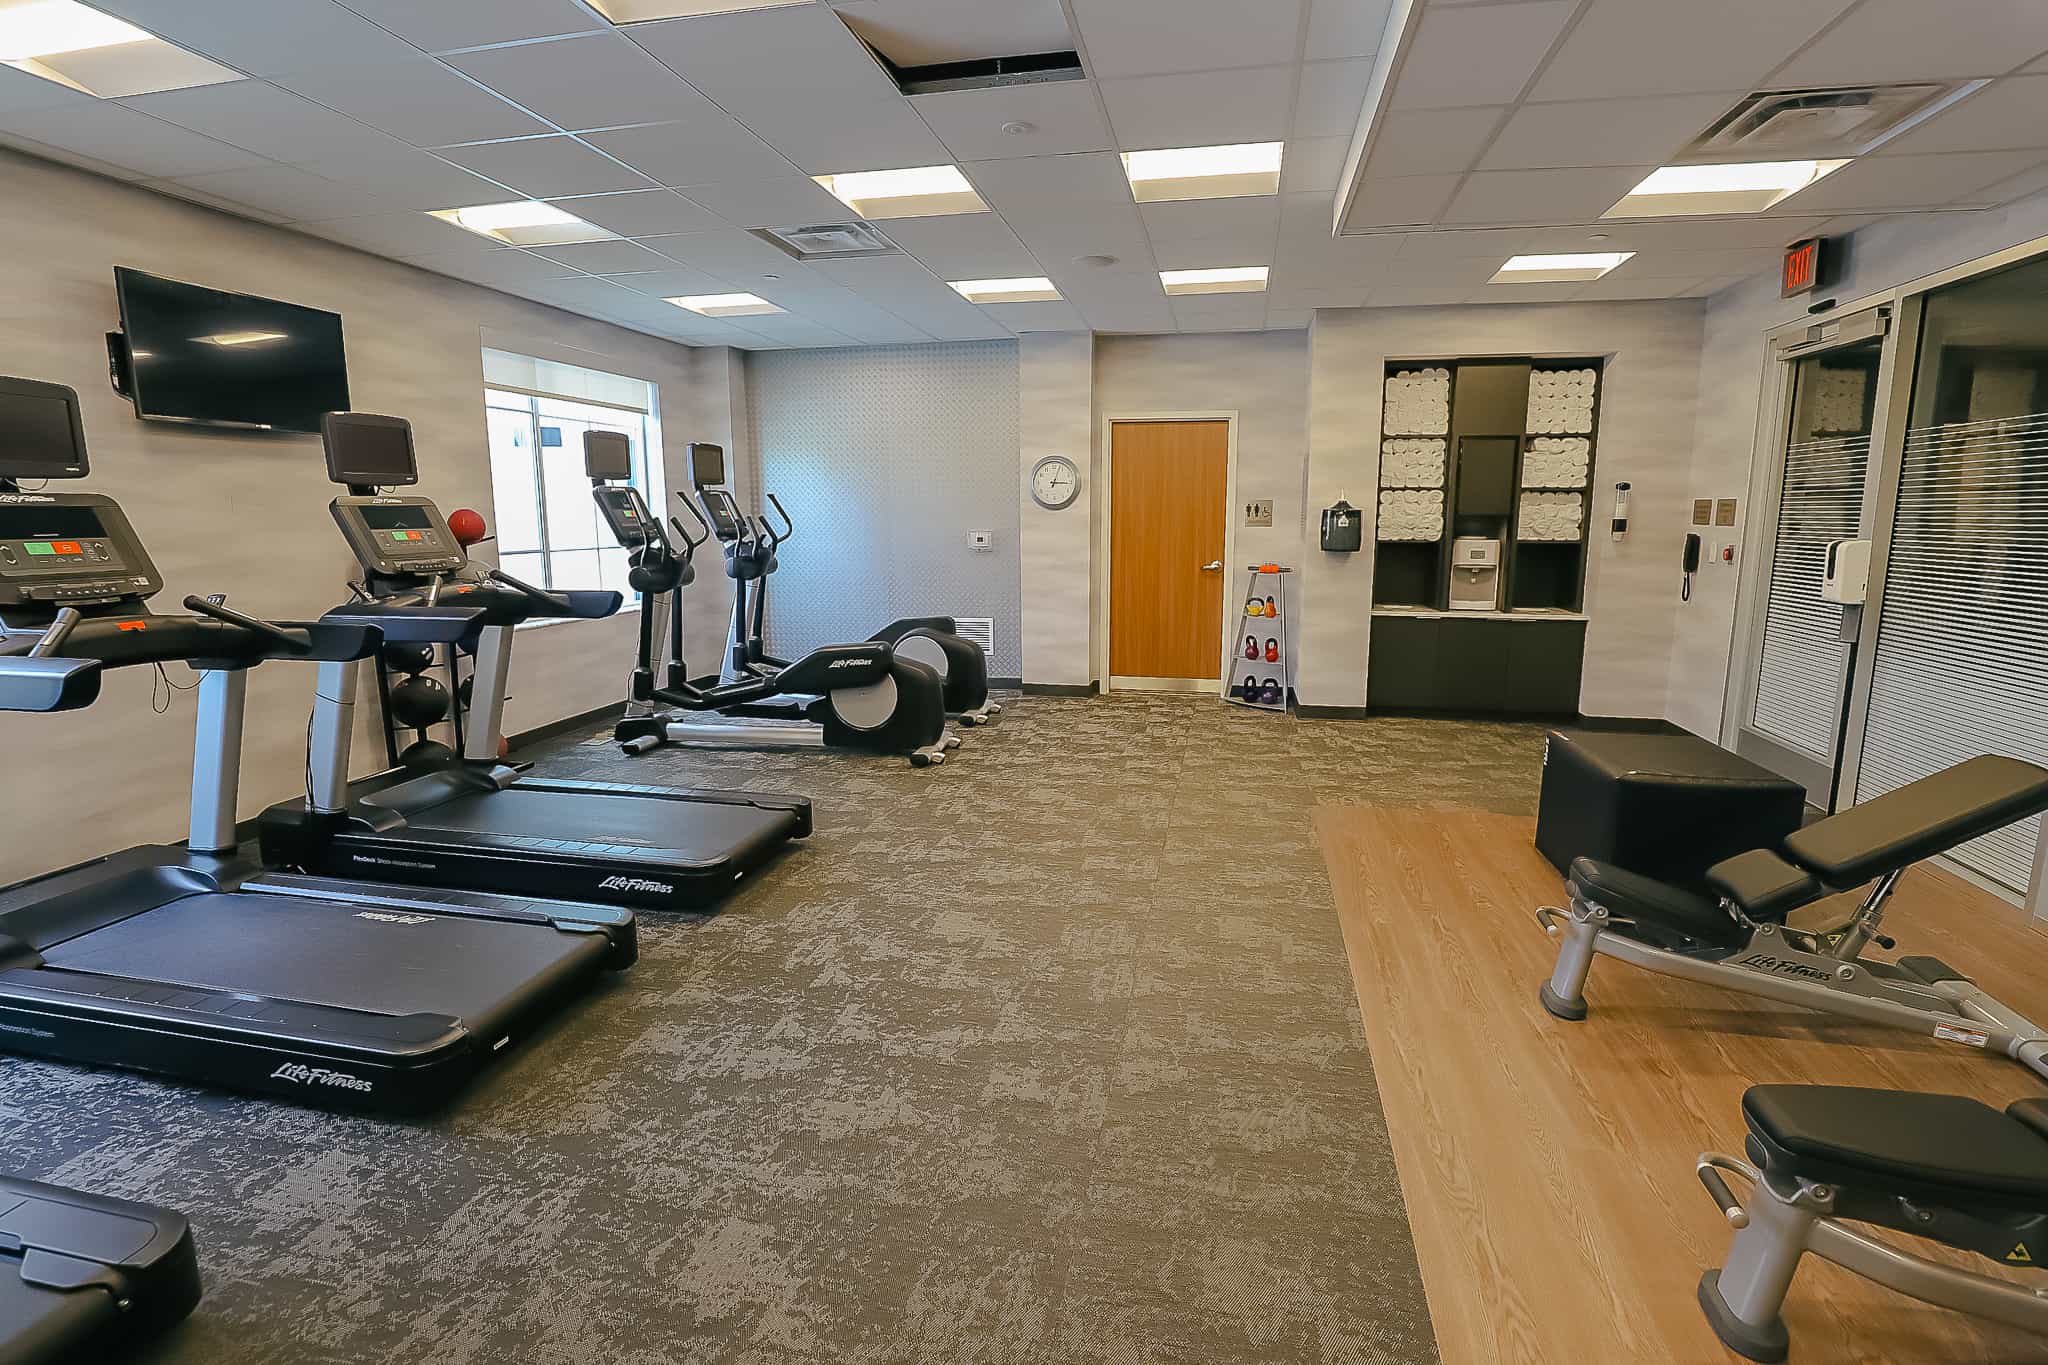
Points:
(1104, 542)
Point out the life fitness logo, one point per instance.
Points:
(849, 663)
(25, 497)
(300, 1074)
(635, 884)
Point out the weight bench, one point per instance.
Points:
(1941, 1167)
(1738, 938)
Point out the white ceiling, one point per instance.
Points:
(1506, 126)
(1516, 124)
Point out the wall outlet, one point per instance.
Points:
(981, 540)
(1259, 512)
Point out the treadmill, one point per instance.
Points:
(82, 1278)
(188, 959)
(469, 819)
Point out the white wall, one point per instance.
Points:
(246, 514)
(1732, 373)
(1055, 378)
(1647, 420)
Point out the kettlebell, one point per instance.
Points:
(1251, 647)
(1271, 608)
(1272, 650)
(1254, 607)
(1270, 693)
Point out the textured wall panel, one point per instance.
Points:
(887, 457)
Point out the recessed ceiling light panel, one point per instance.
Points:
(1558, 269)
(524, 222)
(640, 11)
(915, 192)
(1226, 172)
(1036, 289)
(1737, 187)
(1236, 279)
(726, 305)
(96, 54)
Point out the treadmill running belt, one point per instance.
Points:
(329, 953)
(628, 827)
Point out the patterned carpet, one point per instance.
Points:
(1047, 1055)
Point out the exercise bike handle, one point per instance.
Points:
(297, 644)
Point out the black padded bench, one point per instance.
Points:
(1660, 805)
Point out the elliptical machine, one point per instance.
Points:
(857, 696)
(750, 545)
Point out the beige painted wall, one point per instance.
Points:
(1055, 376)
(1647, 420)
(1727, 440)
(246, 514)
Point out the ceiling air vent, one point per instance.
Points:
(827, 241)
(1783, 125)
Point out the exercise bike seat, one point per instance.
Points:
(1649, 903)
(1762, 885)
(1919, 820)
(1937, 1149)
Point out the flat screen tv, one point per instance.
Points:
(187, 353)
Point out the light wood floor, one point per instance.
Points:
(1547, 1166)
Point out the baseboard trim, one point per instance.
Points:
(1006, 684)
(554, 728)
(1645, 725)
(1504, 717)
(1308, 712)
(1032, 689)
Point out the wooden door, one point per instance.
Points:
(1167, 492)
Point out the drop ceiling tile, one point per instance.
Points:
(148, 147)
(271, 38)
(492, 266)
(963, 246)
(1728, 45)
(796, 331)
(727, 252)
(443, 24)
(791, 61)
(792, 201)
(547, 167)
(1139, 317)
(878, 133)
(1621, 285)
(1064, 116)
(1481, 55)
(1525, 293)
(1694, 265)
(605, 258)
(1313, 164)
(176, 190)
(1431, 141)
(1564, 196)
(1491, 244)
(597, 80)
(2018, 187)
(411, 178)
(396, 234)
(579, 294)
(418, 100)
(1626, 132)
(1038, 185)
(1398, 201)
(1289, 319)
(1052, 315)
(1674, 234)
(20, 91)
(702, 151)
(1415, 296)
(1317, 296)
(1219, 312)
(885, 330)
(1121, 38)
(2004, 115)
(263, 119)
(1332, 94)
(1346, 28)
(640, 213)
(673, 283)
(64, 157)
(1945, 180)
(285, 191)
(1200, 110)
(1896, 40)
(1191, 234)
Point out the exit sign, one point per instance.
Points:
(1802, 267)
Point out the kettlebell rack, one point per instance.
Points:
(1262, 677)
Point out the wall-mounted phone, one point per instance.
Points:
(1689, 562)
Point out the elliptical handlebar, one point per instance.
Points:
(775, 537)
(690, 542)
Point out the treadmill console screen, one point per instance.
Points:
(69, 547)
(626, 514)
(397, 535)
(725, 514)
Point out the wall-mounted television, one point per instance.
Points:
(186, 353)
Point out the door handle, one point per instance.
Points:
(1213, 566)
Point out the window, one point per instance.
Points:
(548, 529)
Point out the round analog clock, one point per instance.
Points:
(1055, 482)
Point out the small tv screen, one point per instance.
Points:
(205, 355)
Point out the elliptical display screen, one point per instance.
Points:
(405, 518)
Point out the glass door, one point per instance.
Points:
(1803, 648)
(1958, 662)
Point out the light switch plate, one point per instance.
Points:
(981, 540)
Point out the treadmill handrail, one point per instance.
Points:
(414, 621)
(206, 642)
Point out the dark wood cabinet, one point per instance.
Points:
(1475, 666)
